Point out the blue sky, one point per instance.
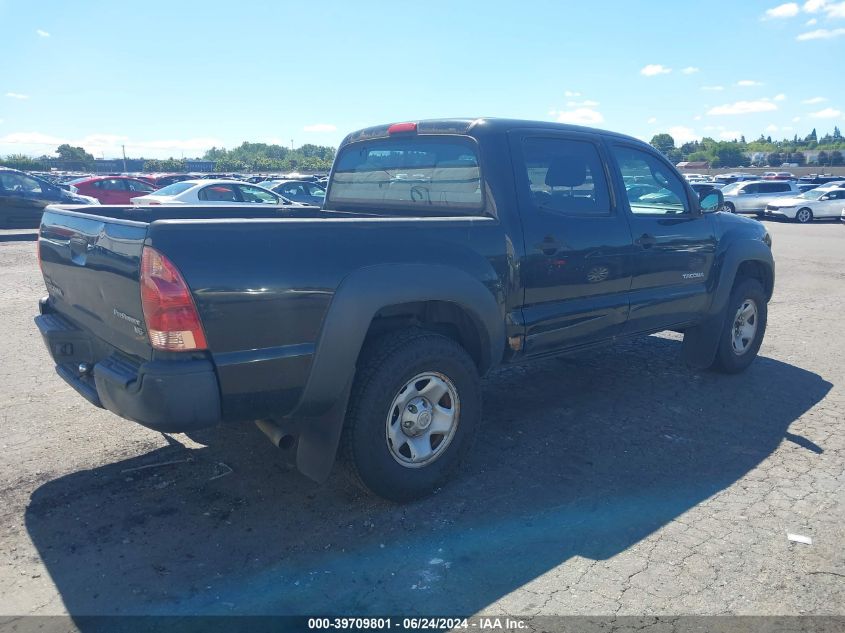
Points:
(174, 78)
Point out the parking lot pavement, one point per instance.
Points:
(616, 482)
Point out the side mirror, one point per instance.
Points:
(741, 192)
(826, 197)
(711, 201)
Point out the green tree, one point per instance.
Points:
(775, 159)
(823, 158)
(730, 155)
(836, 158)
(66, 152)
(663, 142)
(24, 163)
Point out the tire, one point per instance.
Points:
(804, 215)
(381, 404)
(729, 359)
(729, 207)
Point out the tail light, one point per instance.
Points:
(173, 323)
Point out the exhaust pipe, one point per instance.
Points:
(276, 434)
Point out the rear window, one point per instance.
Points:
(415, 174)
(175, 189)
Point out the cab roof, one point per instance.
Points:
(477, 127)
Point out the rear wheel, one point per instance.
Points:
(804, 215)
(745, 325)
(414, 412)
(729, 207)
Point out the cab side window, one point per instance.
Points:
(18, 183)
(566, 177)
(639, 167)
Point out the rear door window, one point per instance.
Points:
(416, 174)
(566, 176)
(219, 193)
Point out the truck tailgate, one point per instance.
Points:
(91, 266)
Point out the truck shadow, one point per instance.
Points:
(579, 460)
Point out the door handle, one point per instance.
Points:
(646, 240)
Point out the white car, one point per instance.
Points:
(221, 193)
(821, 202)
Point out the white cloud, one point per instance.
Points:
(42, 33)
(795, 119)
(712, 128)
(779, 97)
(320, 127)
(697, 117)
(835, 10)
(820, 34)
(827, 113)
(682, 134)
(652, 120)
(814, 100)
(772, 128)
(16, 95)
(108, 144)
(811, 22)
(730, 135)
(31, 138)
(745, 83)
(787, 10)
(713, 88)
(580, 116)
(582, 104)
(742, 107)
(814, 6)
(570, 93)
(655, 69)
(690, 70)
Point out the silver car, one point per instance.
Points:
(753, 197)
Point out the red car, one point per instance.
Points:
(112, 189)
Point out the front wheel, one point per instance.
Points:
(745, 325)
(803, 216)
(413, 415)
(729, 208)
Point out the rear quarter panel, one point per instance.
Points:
(263, 287)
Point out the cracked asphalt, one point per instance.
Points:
(617, 482)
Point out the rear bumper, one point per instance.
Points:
(171, 396)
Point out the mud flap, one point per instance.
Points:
(702, 342)
(317, 445)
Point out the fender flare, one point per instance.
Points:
(738, 253)
(702, 341)
(354, 305)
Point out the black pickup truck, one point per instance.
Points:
(444, 248)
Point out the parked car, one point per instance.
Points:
(23, 198)
(752, 197)
(214, 192)
(822, 202)
(305, 192)
(732, 178)
(372, 320)
(806, 186)
(112, 189)
(664, 195)
(162, 180)
(818, 179)
(635, 191)
(778, 175)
